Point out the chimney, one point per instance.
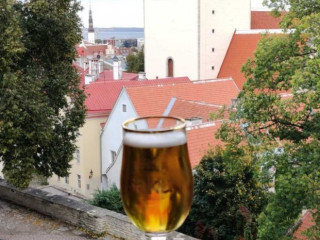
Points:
(142, 76)
(100, 66)
(234, 102)
(116, 68)
(88, 79)
(90, 66)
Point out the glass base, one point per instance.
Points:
(157, 236)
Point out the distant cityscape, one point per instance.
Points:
(115, 33)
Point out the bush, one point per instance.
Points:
(109, 199)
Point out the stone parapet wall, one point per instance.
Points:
(77, 213)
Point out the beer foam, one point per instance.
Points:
(157, 140)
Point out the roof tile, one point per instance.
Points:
(263, 20)
(242, 47)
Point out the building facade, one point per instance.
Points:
(191, 37)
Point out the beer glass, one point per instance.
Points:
(156, 177)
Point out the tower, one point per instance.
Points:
(192, 37)
(91, 34)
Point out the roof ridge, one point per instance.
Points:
(212, 80)
(200, 103)
(204, 125)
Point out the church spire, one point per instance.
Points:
(91, 29)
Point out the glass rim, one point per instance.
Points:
(180, 126)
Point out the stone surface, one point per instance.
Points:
(74, 212)
(18, 223)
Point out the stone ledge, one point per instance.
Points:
(77, 213)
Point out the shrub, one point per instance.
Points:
(109, 199)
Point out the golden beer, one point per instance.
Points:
(156, 180)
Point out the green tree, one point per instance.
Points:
(109, 199)
(135, 62)
(41, 105)
(227, 200)
(280, 107)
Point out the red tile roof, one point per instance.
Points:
(107, 75)
(92, 50)
(263, 20)
(193, 99)
(101, 95)
(306, 222)
(153, 100)
(187, 109)
(200, 139)
(242, 47)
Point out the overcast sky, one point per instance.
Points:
(123, 13)
(113, 13)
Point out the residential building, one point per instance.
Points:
(193, 101)
(102, 93)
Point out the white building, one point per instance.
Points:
(191, 37)
(157, 99)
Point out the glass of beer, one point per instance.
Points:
(156, 177)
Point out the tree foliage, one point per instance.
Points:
(41, 105)
(227, 200)
(135, 62)
(280, 108)
(109, 199)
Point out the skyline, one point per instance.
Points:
(124, 13)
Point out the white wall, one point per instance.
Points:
(91, 37)
(182, 30)
(228, 16)
(171, 31)
(111, 138)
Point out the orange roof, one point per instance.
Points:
(306, 222)
(242, 47)
(101, 95)
(153, 100)
(263, 20)
(107, 75)
(187, 109)
(197, 98)
(200, 139)
(93, 50)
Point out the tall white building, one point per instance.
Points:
(190, 37)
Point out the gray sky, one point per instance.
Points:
(124, 13)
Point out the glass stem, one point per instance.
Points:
(157, 236)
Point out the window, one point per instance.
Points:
(58, 178)
(88, 186)
(212, 30)
(212, 67)
(79, 181)
(212, 11)
(212, 49)
(124, 107)
(170, 67)
(78, 156)
(66, 179)
(113, 155)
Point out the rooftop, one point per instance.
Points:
(242, 47)
(103, 93)
(264, 20)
